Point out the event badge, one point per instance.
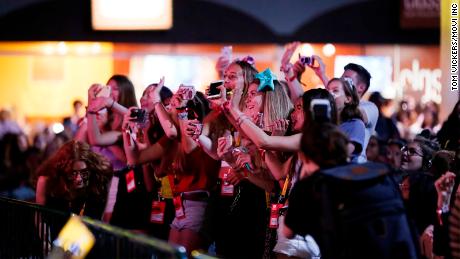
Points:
(274, 215)
(157, 214)
(226, 189)
(130, 181)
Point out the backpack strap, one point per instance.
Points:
(327, 221)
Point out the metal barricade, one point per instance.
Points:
(27, 231)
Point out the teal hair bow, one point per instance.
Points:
(266, 80)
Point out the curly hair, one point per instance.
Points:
(57, 167)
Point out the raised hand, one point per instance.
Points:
(93, 90)
(321, 68)
(193, 129)
(234, 178)
(279, 127)
(154, 92)
(243, 161)
(445, 182)
(96, 103)
(287, 55)
(99, 103)
(224, 145)
(222, 63)
(444, 186)
(298, 68)
(216, 104)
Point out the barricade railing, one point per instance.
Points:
(27, 230)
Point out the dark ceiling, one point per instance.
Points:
(222, 21)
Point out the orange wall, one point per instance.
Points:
(38, 82)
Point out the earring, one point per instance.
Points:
(429, 164)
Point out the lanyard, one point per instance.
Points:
(286, 184)
(171, 183)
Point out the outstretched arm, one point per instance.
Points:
(278, 169)
(96, 137)
(260, 138)
(291, 75)
(163, 116)
(320, 70)
(134, 155)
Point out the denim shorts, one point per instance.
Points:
(298, 246)
(194, 216)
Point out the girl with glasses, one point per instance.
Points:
(75, 180)
(418, 190)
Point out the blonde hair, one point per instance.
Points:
(277, 104)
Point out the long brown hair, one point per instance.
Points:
(126, 88)
(57, 167)
(351, 110)
(249, 73)
(127, 98)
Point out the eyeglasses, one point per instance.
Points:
(411, 151)
(84, 174)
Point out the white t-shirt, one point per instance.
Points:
(372, 114)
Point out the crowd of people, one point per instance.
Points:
(241, 175)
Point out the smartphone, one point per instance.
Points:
(214, 91)
(138, 115)
(187, 92)
(104, 91)
(182, 116)
(198, 129)
(307, 61)
(320, 110)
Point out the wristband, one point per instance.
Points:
(156, 101)
(89, 111)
